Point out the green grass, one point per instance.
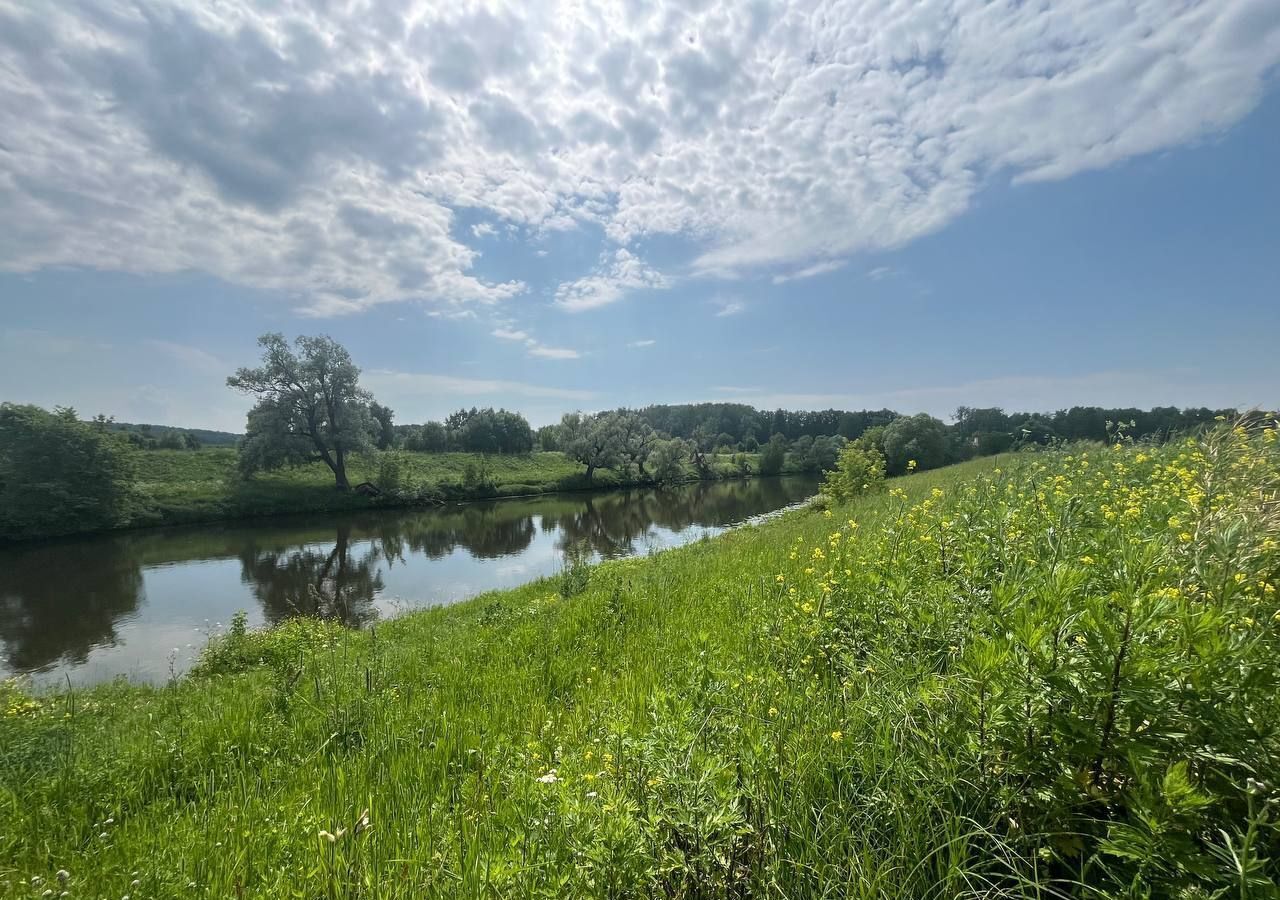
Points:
(177, 486)
(1057, 675)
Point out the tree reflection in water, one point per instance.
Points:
(59, 601)
(337, 583)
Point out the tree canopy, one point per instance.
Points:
(310, 407)
(59, 475)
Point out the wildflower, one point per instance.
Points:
(911, 465)
(837, 736)
(549, 778)
(779, 578)
(773, 711)
(1086, 560)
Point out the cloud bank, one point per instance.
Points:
(322, 150)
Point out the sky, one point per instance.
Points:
(578, 205)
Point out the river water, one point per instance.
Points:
(142, 604)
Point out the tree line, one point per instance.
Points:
(58, 473)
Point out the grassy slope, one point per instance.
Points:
(197, 486)
(926, 704)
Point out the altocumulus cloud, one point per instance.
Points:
(320, 150)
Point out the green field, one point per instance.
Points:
(1056, 675)
(179, 486)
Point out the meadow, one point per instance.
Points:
(184, 486)
(1049, 675)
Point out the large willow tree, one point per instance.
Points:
(310, 407)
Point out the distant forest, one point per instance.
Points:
(739, 427)
(168, 437)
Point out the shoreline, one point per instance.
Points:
(362, 504)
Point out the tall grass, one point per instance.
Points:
(1044, 677)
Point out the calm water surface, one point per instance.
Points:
(142, 604)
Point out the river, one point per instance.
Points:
(142, 604)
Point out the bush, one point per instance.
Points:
(858, 471)
(59, 475)
(390, 473)
(478, 476)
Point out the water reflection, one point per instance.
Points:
(58, 602)
(140, 603)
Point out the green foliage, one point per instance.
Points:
(432, 437)
(668, 460)
(858, 471)
(478, 475)
(310, 407)
(593, 440)
(774, 455)
(390, 477)
(384, 429)
(484, 431)
(921, 438)
(810, 454)
(59, 475)
(1055, 678)
(575, 574)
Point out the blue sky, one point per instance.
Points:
(847, 205)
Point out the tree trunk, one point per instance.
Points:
(340, 470)
(591, 469)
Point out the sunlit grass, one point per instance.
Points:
(178, 486)
(1014, 677)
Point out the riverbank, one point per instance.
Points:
(182, 487)
(1066, 673)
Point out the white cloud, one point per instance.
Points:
(820, 268)
(394, 383)
(879, 273)
(320, 150)
(616, 274)
(541, 351)
(645, 343)
(483, 230)
(727, 306)
(534, 347)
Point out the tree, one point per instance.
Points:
(59, 475)
(593, 440)
(385, 436)
(921, 438)
(774, 455)
(428, 438)
(636, 437)
(817, 454)
(548, 437)
(668, 459)
(310, 407)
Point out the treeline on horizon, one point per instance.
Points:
(737, 427)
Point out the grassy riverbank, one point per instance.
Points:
(1013, 678)
(177, 486)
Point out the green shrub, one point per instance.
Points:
(390, 473)
(858, 471)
